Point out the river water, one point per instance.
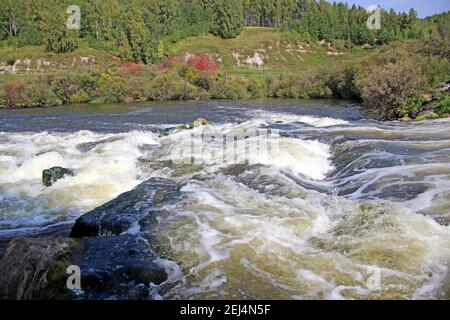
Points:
(348, 207)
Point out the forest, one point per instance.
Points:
(136, 28)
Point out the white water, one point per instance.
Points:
(101, 173)
(284, 228)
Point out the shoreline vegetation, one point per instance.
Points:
(187, 50)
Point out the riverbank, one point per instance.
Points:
(259, 63)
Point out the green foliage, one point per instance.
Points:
(443, 106)
(169, 86)
(228, 17)
(413, 106)
(257, 88)
(21, 93)
(135, 27)
(227, 90)
(342, 84)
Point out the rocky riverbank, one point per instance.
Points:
(114, 262)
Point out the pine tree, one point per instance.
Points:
(228, 18)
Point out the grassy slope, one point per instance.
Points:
(281, 51)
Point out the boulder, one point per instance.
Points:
(50, 176)
(197, 123)
(121, 267)
(405, 119)
(428, 114)
(120, 214)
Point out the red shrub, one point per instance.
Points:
(16, 92)
(131, 68)
(203, 63)
(168, 63)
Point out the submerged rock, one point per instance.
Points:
(198, 123)
(50, 176)
(120, 214)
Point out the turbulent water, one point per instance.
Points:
(347, 208)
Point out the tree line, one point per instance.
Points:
(141, 30)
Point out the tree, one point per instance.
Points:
(228, 17)
(387, 88)
(57, 37)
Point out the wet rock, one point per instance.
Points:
(167, 131)
(120, 267)
(50, 176)
(25, 267)
(116, 266)
(88, 146)
(428, 114)
(406, 119)
(198, 123)
(120, 214)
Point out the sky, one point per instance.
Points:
(423, 7)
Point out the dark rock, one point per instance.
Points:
(120, 267)
(25, 266)
(88, 146)
(120, 214)
(50, 176)
(112, 266)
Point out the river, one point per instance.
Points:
(347, 208)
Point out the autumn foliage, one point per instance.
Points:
(131, 68)
(200, 63)
(15, 92)
(203, 63)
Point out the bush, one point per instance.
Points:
(227, 91)
(203, 63)
(387, 88)
(413, 106)
(109, 88)
(79, 97)
(22, 93)
(3, 101)
(342, 84)
(256, 89)
(435, 45)
(287, 87)
(443, 106)
(169, 86)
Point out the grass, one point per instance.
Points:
(281, 51)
